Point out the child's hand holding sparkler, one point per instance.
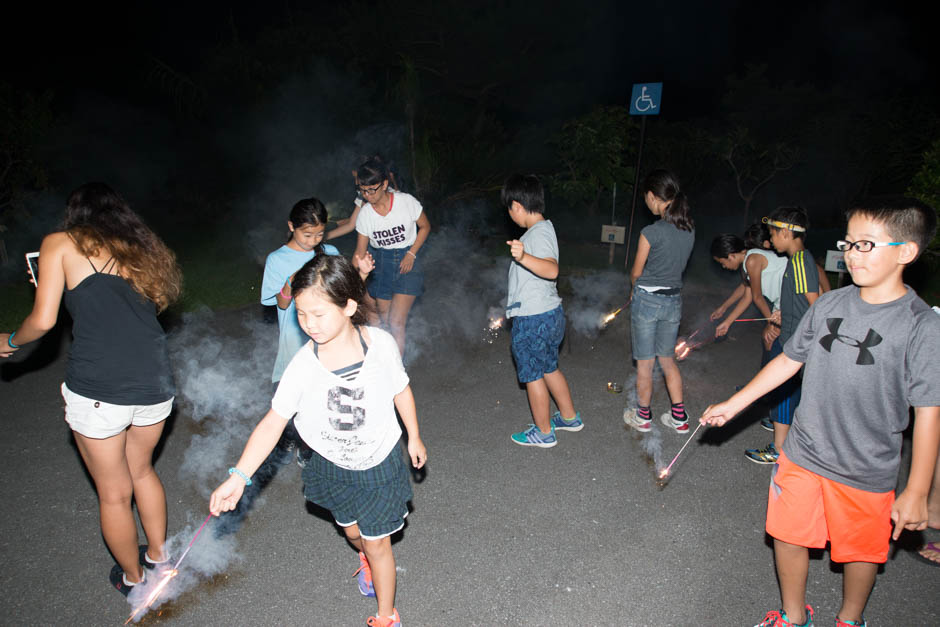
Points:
(717, 314)
(720, 413)
(225, 497)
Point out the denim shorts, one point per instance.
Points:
(654, 323)
(386, 280)
(535, 342)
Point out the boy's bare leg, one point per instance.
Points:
(792, 569)
(673, 378)
(933, 499)
(537, 391)
(780, 434)
(857, 582)
(558, 388)
(933, 515)
(382, 563)
(644, 382)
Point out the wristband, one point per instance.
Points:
(408, 252)
(10, 341)
(283, 294)
(236, 471)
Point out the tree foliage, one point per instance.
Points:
(925, 185)
(25, 118)
(596, 151)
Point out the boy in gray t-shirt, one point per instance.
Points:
(871, 352)
(538, 325)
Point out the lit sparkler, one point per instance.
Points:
(167, 576)
(664, 473)
(496, 322)
(609, 317)
(686, 345)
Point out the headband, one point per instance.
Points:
(783, 225)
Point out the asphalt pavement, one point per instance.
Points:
(579, 534)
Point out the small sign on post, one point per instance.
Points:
(835, 262)
(611, 234)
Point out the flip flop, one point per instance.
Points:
(932, 546)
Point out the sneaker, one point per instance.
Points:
(117, 580)
(766, 455)
(767, 423)
(631, 419)
(779, 619)
(850, 623)
(533, 436)
(679, 426)
(364, 576)
(385, 621)
(560, 424)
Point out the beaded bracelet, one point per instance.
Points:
(10, 341)
(236, 471)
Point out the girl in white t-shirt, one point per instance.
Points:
(393, 227)
(344, 387)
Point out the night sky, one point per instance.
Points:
(603, 47)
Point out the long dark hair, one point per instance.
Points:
(755, 235)
(96, 218)
(309, 211)
(336, 278)
(665, 186)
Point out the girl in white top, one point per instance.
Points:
(393, 227)
(344, 386)
(763, 276)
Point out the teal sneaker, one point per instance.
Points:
(850, 623)
(560, 424)
(533, 436)
(779, 619)
(767, 423)
(766, 455)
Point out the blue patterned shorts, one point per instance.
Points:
(535, 342)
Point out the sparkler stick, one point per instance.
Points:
(665, 471)
(173, 572)
(751, 319)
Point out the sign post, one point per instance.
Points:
(645, 100)
(835, 262)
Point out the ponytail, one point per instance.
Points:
(665, 185)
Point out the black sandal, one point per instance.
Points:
(117, 580)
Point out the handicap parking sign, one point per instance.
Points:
(646, 98)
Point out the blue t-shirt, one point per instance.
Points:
(278, 267)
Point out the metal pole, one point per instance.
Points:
(636, 185)
(613, 222)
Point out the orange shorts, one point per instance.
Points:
(808, 510)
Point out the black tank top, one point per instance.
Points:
(119, 350)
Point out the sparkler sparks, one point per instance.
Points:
(167, 576)
(496, 322)
(664, 473)
(609, 317)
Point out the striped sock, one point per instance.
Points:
(678, 412)
(643, 412)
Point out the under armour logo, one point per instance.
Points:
(865, 358)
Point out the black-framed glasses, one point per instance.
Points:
(369, 191)
(863, 245)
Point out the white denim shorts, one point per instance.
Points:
(99, 420)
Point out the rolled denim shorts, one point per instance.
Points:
(385, 280)
(654, 323)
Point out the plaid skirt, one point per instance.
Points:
(375, 498)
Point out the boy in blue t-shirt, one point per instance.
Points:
(538, 318)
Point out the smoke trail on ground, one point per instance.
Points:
(211, 554)
(652, 445)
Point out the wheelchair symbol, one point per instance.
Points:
(644, 102)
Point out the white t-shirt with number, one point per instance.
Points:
(350, 423)
(397, 229)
